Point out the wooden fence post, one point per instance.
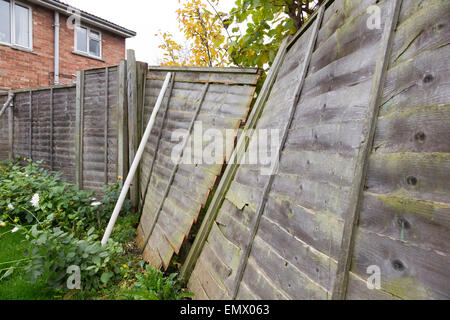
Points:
(136, 75)
(142, 70)
(122, 123)
(79, 111)
(362, 162)
(133, 126)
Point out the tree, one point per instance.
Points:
(268, 22)
(173, 52)
(203, 31)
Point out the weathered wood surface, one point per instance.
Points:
(63, 132)
(401, 222)
(134, 112)
(173, 194)
(210, 75)
(230, 171)
(404, 214)
(247, 188)
(404, 222)
(81, 145)
(268, 186)
(97, 161)
(392, 12)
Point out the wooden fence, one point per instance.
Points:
(72, 129)
(363, 179)
(174, 194)
(90, 131)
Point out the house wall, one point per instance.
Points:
(21, 69)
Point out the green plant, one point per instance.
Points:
(54, 251)
(62, 225)
(259, 26)
(125, 229)
(152, 285)
(29, 194)
(16, 286)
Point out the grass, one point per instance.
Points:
(132, 280)
(16, 286)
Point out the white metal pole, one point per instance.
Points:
(56, 57)
(136, 161)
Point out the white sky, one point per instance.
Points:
(145, 17)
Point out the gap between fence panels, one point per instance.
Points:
(136, 161)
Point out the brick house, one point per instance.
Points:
(45, 42)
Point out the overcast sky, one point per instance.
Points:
(145, 17)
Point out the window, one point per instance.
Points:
(88, 41)
(5, 21)
(15, 24)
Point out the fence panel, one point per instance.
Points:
(45, 128)
(296, 235)
(174, 194)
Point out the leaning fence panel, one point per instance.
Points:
(395, 221)
(174, 193)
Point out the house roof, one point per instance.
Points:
(86, 17)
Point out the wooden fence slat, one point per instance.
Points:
(133, 126)
(142, 110)
(79, 130)
(268, 186)
(174, 171)
(122, 123)
(357, 189)
(106, 145)
(232, 166)
(142, 70)
(141, 79)
(171, 86)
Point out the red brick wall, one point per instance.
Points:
(20, 69)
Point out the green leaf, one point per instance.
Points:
(106, 277)
(97, 260)
(91, 231)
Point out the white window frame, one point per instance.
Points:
(13, 25)
(88, 37)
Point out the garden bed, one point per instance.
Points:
(50, 248)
